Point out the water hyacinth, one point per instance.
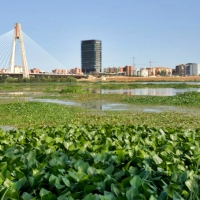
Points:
(99, 162)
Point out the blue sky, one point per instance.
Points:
(164, 32)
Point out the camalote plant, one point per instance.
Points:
(97, 162)
(185, 99)
(73, 89)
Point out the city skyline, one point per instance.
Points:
(166, 33)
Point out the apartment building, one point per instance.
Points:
(192, 69)
(180, 70)
(60, 71)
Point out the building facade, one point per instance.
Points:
(192, 69)
(144, 72)
(60, 71)
(18, 69)
(180, 70)
(128, 70)
(163, 71)
(75, 71)
(35, 71)
(91, 56)
(3, 70)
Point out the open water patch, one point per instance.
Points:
(147, 91)
(68, 103)
(20, 93)
(151, 110)
(102, 105)
(107, 106)
(7, 128)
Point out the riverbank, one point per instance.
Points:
(144, 79)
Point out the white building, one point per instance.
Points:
(144, 72)
(18, 69)
(141, 72)
(192, 69)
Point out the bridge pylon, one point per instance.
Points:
(18, 35)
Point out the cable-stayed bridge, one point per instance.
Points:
(32, 55)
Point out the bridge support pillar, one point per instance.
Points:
(18, 35)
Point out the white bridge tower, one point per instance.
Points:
(18, 35)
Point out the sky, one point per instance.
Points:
(167, 33)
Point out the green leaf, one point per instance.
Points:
(53, 180)
(80, 165)
(17, 185)
(54, 162)
(176, 196)
(109, 170)
(157, 159)
(89, 188)
(91, 171)
(126, 182)
(5, 174)
(152, 198)
(4, 193)
(49, 196)
(66, 182)
(107, 196)
(44, 192)
(48, 139)
(8, 183)
(118, 175)
(115, 189)
(191, 185)
(89, 197)
(131, 193)
(136, 182)
(78, 176)
(26, 196)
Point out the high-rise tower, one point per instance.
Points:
(91, 56)
(18, 35)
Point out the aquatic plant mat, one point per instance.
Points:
(95, 162)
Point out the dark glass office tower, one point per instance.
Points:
(91, 56)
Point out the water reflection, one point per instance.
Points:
(147, 91)
(101, 105)
(20, 93)
(106, 106)
(68, 103)
(188, 83)
(151, 110)
(7, 128)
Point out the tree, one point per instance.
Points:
(163, 73)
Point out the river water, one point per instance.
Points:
(147, 91)
(103, 105)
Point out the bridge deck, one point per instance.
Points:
(43, 74)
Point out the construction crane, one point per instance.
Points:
(136, 64)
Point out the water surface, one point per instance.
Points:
(147, 91)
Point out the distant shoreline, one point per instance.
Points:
(145, 79)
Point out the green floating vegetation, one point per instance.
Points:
(73, 89)
(26, 114)
(142, 85)
(99, 162)
(186, 99)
